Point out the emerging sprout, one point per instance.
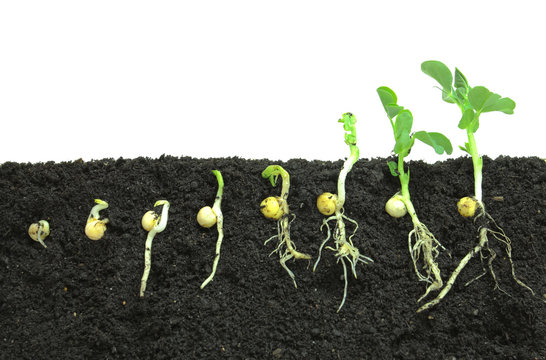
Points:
(271, 207)
(420, 239)
(326, 203)
(344, 248)
(467, 206)
(208, 216)
(276, 208)
(39, 231)
(153, 223)
(95, 228)
(472, 101)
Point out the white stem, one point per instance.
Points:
(219, 226)
(159, 227)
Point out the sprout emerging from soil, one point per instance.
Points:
(95, 228)
(39, 231)
(153, 223)
(344, 248)
(472, 101)
(208, 216)
(421, 242)
(276, 208)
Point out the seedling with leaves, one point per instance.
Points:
(207, 217)
(276, 208)
(472, 101)
(332, 206)
(421, 241)
(153, 224)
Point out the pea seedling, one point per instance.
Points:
(39, 231)
(276, 208)
(207, 217)
(329, 204)
(420, 240)
(472, 101)
(153, 223)
(95, 228)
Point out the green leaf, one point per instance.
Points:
(388, 99)
(403, 144)
(439, 72)
(438, 141)
(464, 149)
(393, 168)
(483, 100)
(460, 80)
(467, 118)
(403, 123)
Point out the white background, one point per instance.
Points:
(258, 79)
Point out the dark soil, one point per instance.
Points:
(78, 299)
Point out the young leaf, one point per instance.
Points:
(439, 72)
(483, 100)
(467, 118)
(460, 80)
(403, 124)
(464, 149)
(388, 99)
(403, 144)
(393, 168)
(439, 142)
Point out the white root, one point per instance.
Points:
(426, 244)
(344, 248)
(483, 243)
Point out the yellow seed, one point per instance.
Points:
(467, 206)
(326, 203)
(94, 229)
(149, 220)
(206, 217)
(33, 231)
(271, 208)
(395, 207)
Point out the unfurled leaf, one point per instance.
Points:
(439, 142)
(403, 144)
(483, 100)
(403, 124)
(439, 72)
(388, 99)
(466, 119)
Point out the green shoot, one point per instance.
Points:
(472, 101)
(276, 208)
(39, 231)
(95, 228)
(154, 224)
(344, 248)
(420, 239)
(206, 219)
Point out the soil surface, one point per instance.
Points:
(79, 299)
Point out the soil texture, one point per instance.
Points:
(79, 299)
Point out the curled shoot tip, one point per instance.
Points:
(349, 121)
(162, 220)
(272, 173)
(101, 205)
(219, 177)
